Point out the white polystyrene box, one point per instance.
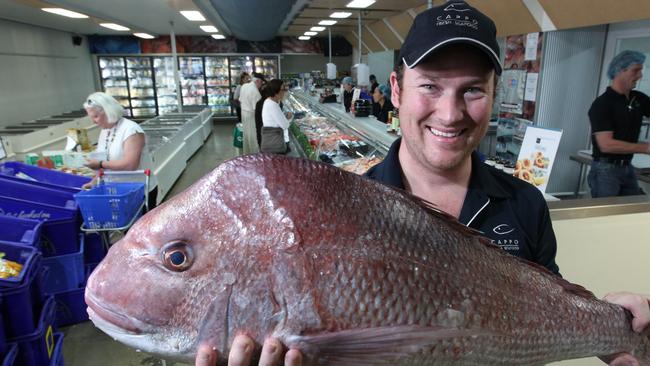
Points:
(331, 71)
(363, 74)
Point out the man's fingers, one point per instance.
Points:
(206, 356)
(624, 360)
(638, 305)
(293, 358)
(241, 351)
(271, 353)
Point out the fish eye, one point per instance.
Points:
(177, 256)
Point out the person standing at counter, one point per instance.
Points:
(373, 83)
(381, 97)
(243, 79)
(248, 97)
(444, 90)
(348, 91)
(272, 115)
(121, 139)
(615, 118)
(258, 113)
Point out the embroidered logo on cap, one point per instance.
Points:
(455, 7)
(456, 19)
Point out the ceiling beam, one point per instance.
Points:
(537, 11)
(375, 36)
(390, 26)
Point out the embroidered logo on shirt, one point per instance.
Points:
(503, 229)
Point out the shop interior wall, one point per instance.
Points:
(381, 64)
(604, 254)
(293, 64)
(42, 73)
(568, 85)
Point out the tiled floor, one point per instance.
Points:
(85, 345)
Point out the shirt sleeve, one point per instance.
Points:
(600, 116)
(131, 129)
(645, 104)
(546, 244)
(236, 94)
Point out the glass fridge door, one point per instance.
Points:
(218, 84)
(267, 66)
(141, 90)
(237, 66)
(192, 80)
(114, 81)
(165, 84)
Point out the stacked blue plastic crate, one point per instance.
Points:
(40, 224)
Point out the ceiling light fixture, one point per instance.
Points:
(304, 38)
(114, 26)
(327, 22)
(360, 3)
(311, 33)
(65, 13)
(193, 15)
(209, 28)
(144, 35)
(218, 36)
(340, 14)
(317, 29)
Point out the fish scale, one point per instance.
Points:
(347, 270)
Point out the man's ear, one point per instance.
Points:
(394, 89)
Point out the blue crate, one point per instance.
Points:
(10, 355)
(37, 348)
(110, 205)
(57, 356)
(44, 177)
(94, 249)
(20, 231)
(3, 337)
(66, 271)
(33, 193)
(60, 236)
(21, 305)
(27, 256)
(70, 307)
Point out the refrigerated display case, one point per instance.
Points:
(218, 85)
(141, 86)
(165, 84)
(114, 80)
(267, 66)
(192, 74)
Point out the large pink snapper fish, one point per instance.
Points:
(347, 270)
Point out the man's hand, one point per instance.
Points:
(639, 306)
(241, 353)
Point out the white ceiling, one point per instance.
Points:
(149, 16)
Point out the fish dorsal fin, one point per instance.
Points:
(375, 346)
(432, 210)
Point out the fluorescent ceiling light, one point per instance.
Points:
(218, 36)
(304, 38)
(317, 29)
(311, 33)
(209, 28)
(65, 13)
(340, 14)
(144, 35)
(114, 26)
(327, 22)
(193, 15)
(360, 3)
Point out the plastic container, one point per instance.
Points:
(57, 356)
(3, 337)
(20, 231)
(10, 355)
(66, 271)
(94, 249)
(44, 177)
(70, 307)
(30, 192)
(21, 305)
(37, 348)
(110, 205)
(26, 256)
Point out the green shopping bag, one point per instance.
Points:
(238, 136)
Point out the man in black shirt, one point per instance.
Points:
(615, 118)
(348, 91)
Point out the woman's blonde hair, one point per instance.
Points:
(103, 102)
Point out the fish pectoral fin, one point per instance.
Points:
(381, 345)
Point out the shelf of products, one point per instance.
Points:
(192, 74)
(333, 137)
(114, 80)
(267, 66)
(218, 85)
(165, 85)
(141, 86)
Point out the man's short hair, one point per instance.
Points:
(624, 60)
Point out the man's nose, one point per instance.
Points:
(450, 108)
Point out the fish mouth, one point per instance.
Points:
(104, 317)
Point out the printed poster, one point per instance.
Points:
(536, 156)
(532, 39)
(514, 82)
(531, 86)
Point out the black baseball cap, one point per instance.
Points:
(451, 23)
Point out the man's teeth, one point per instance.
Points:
(444, 134)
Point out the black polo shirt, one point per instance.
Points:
(614, 112)
(510, 212)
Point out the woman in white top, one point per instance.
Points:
(272, 115)
(121, 139)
